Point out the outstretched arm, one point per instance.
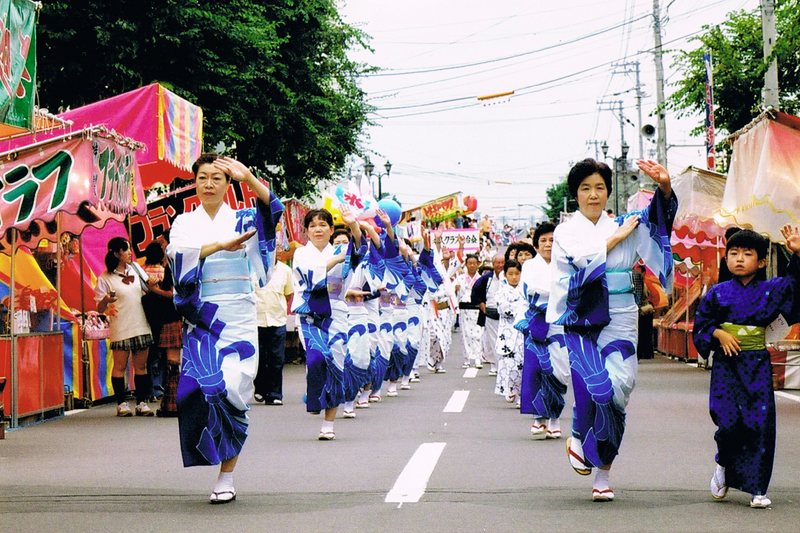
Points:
(349, 218)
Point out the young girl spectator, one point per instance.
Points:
(122, 284)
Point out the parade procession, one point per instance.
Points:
(543, 314)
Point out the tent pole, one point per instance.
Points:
(82, 328)
(59, 255)
(12, 310)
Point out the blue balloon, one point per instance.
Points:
(391, 208)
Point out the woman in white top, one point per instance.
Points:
(119, 295)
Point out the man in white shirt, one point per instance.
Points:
(484, 293)
(271, 303)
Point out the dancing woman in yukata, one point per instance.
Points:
(319, 272)
(592, 297)
(213, 252)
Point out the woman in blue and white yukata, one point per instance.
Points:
(545, 370)
(425, 281)
(319, 270)
(592, 297)
(214, 253)
(397, 288)
(369, 274)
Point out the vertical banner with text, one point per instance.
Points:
(17, 62)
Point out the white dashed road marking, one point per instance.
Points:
(471, 373)
(457, 401)
(413, 480)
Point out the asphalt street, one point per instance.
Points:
(92, 472)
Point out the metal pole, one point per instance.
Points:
(14, 355)
(639, 95)
(661, 141)
(770, 92)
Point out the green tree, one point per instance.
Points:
(272, 76)
(556, 194)
(736, 48)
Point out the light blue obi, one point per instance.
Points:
(225, 275)
(620, 289)
(619, 281)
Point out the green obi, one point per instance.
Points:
(750, 337)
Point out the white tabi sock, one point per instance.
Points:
(326, 426)
(224, 482)
(601, 479)
(364, 398)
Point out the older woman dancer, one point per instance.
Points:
(213, 252)
(592, 297)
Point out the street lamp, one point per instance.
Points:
(369, 167)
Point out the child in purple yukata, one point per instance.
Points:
(731, 320)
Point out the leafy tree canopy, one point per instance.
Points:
(556, 194)
(272, 76)
(737, 52)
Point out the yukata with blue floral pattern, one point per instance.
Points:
(545, 367)
(220, 340)
(592, 298)
(741, 396)
(319, 301)
(396, 281)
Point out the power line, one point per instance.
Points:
(514, 56)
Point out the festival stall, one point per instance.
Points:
(763, 193)
(44, 187)
(697, 245)
(170, 129)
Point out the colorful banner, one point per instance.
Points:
(711, 151)
(92, 178)
(441, 208)
(471, 243)
(17, 62)
(180, 130)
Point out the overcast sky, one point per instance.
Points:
(560, 59)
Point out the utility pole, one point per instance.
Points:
(661, 141)
(770, 92)
(628, 68)
(620, 163)
(596, 145)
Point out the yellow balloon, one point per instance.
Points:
(328, 205)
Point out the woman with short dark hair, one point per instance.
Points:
(215, 252)
(592, 298)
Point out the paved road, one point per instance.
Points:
(91, 471)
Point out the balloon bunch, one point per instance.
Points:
(362, 203)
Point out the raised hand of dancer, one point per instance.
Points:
(657, 173)
(792, 236)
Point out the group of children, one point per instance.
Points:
(373, 310)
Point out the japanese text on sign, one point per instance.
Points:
(450, 239)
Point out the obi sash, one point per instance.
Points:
(749, 337)
(619, 281)
(225, 276)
